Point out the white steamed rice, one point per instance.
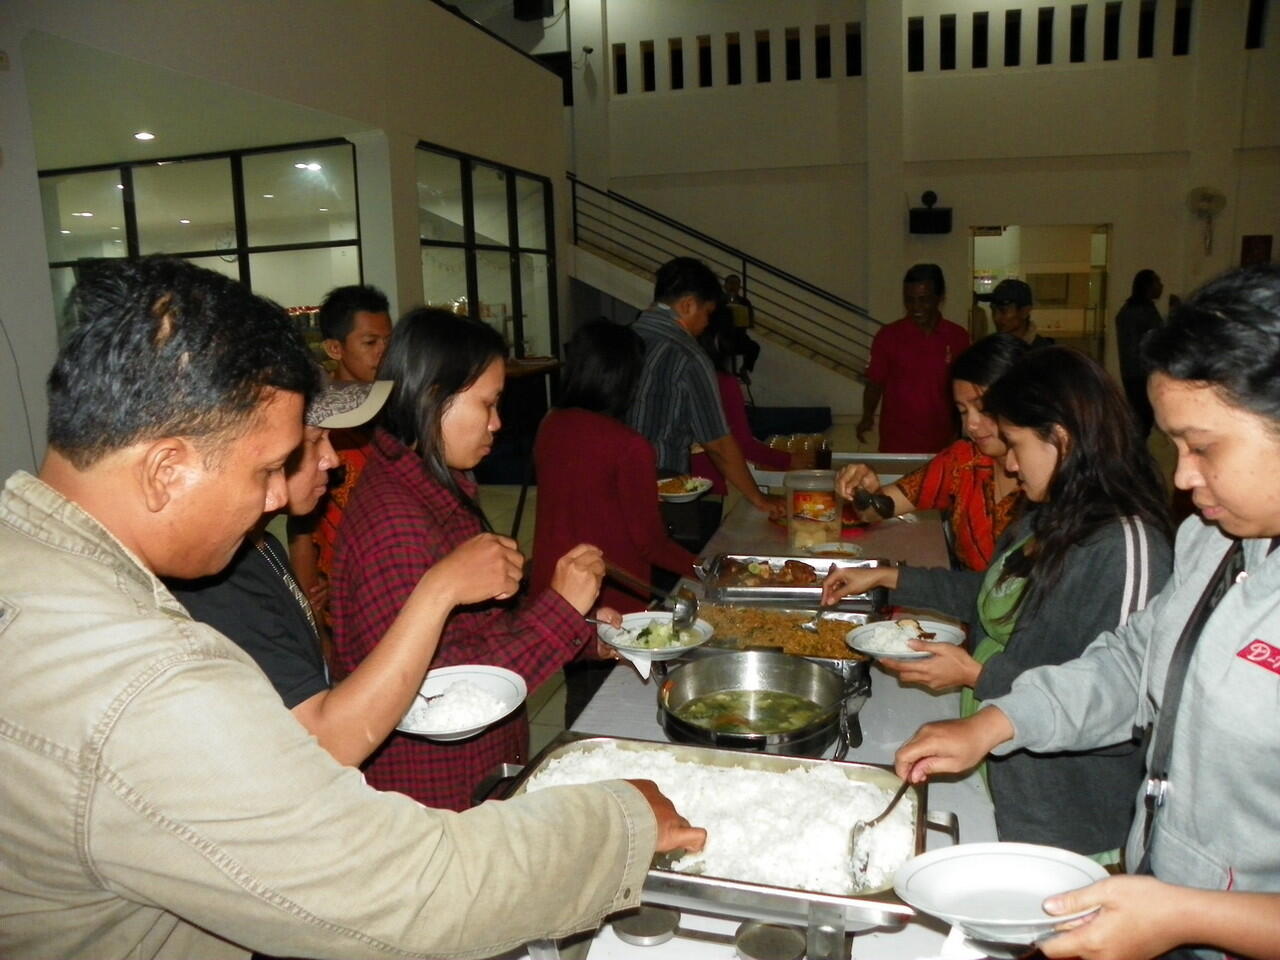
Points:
(462, 704)
(785, 829)
(888, 637)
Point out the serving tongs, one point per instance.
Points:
(684, 605)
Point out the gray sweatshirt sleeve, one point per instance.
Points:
(950, 592)
(1104, 580)
(1085, 691)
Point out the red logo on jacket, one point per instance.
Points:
(1261, 653)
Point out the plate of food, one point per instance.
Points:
(834, 551)
(995, 891)
(458, 702)
(888, 639)
(683, 488)
(649, 635)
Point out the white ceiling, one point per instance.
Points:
(86, 105)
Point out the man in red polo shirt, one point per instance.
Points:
(910, 368)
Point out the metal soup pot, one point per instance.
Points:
(762, 670)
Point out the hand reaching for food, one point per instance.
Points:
(854, 580)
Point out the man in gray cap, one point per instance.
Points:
(257, 601)
(1011, 312)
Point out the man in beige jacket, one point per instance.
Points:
(157, 800)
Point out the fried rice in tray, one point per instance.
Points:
(742, 627)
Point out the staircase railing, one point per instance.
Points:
(815, 322)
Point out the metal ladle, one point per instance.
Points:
(684, 605)
(859, 851)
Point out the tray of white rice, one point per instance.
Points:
(777, 828)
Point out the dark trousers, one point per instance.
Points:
(745, 347)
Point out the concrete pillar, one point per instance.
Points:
(883, 43)
(386, 174)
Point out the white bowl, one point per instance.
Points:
(995, 891)
(858, 638)
(499, 682)
(698, 486)
(632, 623)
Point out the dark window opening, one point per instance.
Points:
(822, 52)
(1044, 35)
(648, 67)
(792, 53)
(1182, 28)
(561, 64)
(853, 49)
(764, 69)
(704, 61)
(1147, 29)
(1256, 25)
(1111, 32)
(733, 59)
(915, 44)
(947, 42)
(1079, 19)
(1012, 38)
(675, 52)
(619, 68)
(978, 48)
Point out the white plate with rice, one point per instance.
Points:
(648, 635)
(887, 639)
(458, 702)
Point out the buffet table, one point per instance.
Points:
(626, 707)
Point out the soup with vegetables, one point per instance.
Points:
(750, 711)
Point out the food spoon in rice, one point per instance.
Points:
(859, 849)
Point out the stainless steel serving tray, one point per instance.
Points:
(709, 569)
(834, 914)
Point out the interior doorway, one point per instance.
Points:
(1066, 267)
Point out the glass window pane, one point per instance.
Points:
(299, 278)
(531, 213)
(493, 286)
(184, 206)
(489, 204)
(535, 302)
(62, 279)
(83, 215)
(439, 197)
(444, 277)
(300, 196)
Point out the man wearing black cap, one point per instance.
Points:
(1011, 313)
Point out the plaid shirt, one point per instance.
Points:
(398, 522)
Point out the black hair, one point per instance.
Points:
(1104, 471)
(338, 312)
(929, 273)
(720, 338)
(433, 356)
(1140, 291)
(989, 359)
(1226, 335)
(160, 348)
(602, 367)
(685, 276)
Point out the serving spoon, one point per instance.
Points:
(859, 851)
(684, 605)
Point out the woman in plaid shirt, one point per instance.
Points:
(412, 506)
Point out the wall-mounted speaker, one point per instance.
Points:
(534, 9)
(930, 220)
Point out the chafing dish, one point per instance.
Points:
(717, 588)
(825, 917)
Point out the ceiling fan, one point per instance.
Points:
(1206, 203)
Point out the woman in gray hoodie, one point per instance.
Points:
(1091, 548)
(1205, 839)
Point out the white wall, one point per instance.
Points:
(403, 67)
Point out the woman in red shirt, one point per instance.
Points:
(413, 505)
(596, 484)
(968, 480)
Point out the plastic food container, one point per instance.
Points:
(813, 509)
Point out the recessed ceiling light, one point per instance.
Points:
(313, 166)
(119, 186)
(300, 166)
(268, 196)
(85, 213)
(115, 228)
(324, 209)
(64, 231)
(184, 221)
(117, 241)
(143, 135)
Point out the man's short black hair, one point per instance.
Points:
(929, 273)
(685, 276)
(161, 348)
(341, 304)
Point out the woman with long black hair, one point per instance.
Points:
(412, 506)
(1091, 548)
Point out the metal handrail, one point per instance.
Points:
(791, 309)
